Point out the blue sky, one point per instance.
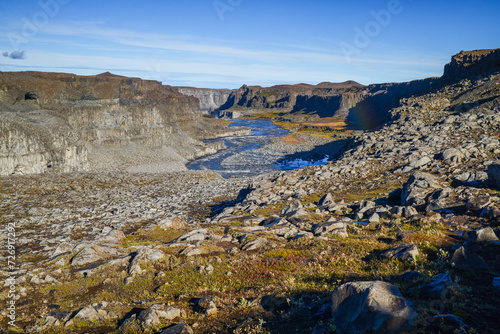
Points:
(228, 43)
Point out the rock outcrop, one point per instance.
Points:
(66, 122)
(468, 64)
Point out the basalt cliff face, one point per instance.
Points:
(69, 123)
(348, 101)
(294, 97)
(471, 64)
(366, 107)
(210, 99)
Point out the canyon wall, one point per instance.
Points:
(363, 107)
(210, 99)
(468, 64)
(66, 123)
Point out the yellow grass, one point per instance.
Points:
(292, 140)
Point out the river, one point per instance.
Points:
(253, 155)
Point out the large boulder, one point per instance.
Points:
(483, 235)
(454, 155)
(467, 259)
(152, 315)
(87, 313)
(326, 200)
(93, 253)
(403, 252)
(330, 226)
(371, 307)
(494, 174)
(418, 187)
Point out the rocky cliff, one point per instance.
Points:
(471, 64)
(66, 122)
(210, 99)
(364, 107)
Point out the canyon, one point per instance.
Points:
(64, 122)
(397, 232)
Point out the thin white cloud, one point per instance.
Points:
(194, 45)
(89, 46)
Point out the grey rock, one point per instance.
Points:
(494, 174)
(374, 218)
(154, 313)
(179, 329)
(207, 303)
(484, 235)
(170, 222)
(332, 227)
(254, 244)
(62, 248)
(303, 234)
(298, 214)
(403, 211)
(87, 313)
(292, 208)
(371, 307)
(326, 200)
(134, 268)
(472, 178)
(444, 199)
(453, 156)
(404, 252)
(438, 287)
(149, 317)
(92, 254)
(113, 236)
(418, 187)
(420, 162)
(478, 203)
(193, 236)
(468, 260)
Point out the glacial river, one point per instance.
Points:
(246, 156)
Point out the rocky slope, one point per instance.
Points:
(68, 123)
(210, 99)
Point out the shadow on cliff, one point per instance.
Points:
(370, 113)
(333, 149)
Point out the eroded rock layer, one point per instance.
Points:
(67, 122)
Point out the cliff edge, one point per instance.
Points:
(64, 122)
